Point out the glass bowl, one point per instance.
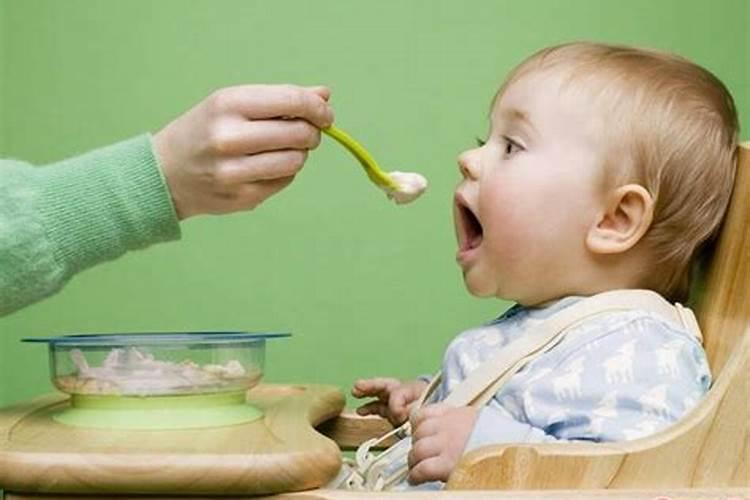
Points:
(156, 364)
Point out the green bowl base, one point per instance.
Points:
(158, 412)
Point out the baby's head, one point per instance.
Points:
(606, 167)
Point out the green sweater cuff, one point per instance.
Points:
(99, 205)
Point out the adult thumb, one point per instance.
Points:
(321, 90)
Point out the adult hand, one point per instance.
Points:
(240, 146)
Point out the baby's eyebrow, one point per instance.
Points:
(515, 115)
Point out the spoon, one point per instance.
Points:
(403, 187)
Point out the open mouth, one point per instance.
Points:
(470, 232)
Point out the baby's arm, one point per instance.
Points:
(394, 397)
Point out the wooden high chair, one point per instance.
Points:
(707, 452)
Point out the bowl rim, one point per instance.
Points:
(154, 338)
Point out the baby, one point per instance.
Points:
(606, 168)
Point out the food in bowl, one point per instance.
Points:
(156, 364)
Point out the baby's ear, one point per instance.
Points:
(624, 220)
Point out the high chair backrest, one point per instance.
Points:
(723, 309)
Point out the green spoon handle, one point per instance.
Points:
(371, 167)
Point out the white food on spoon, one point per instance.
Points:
(410, 187)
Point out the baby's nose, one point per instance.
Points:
(468, 164)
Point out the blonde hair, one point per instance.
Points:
(672, 127)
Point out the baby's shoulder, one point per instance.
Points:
(631, 333)
(630, 323)
(635, 349)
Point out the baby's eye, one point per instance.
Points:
(511, 146)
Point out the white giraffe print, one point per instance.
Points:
(618, 369)
(490, 337)
(666, 358)
(568, 385)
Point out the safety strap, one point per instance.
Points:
(487, 379)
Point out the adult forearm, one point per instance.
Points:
(60, 219)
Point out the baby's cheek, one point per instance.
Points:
(508, 241)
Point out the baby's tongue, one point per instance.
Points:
(476, 240)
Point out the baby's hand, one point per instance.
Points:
(394, 397)
(438, 438)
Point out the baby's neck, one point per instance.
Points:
(590, 279)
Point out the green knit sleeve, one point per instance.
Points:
(60, 219)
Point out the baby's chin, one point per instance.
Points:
(476, 287)
(483, 289)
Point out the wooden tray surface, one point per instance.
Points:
(280, 452)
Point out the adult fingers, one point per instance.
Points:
(241, 137)
(249, 196)
(257, 102)
(321, 90)
(261, 166)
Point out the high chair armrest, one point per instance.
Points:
(349, 430)
(538, 466)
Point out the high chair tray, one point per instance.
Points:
(322, 494)
(279, 452)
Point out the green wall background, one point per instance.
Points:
(366, 287)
